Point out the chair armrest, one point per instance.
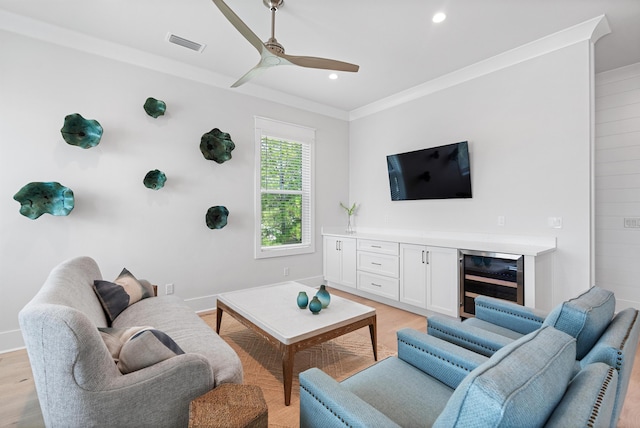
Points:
(522, 319)
(327, 404)
(447, 362)
(468, 336)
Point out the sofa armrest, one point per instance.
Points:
(468, 336)
(326, 403)
(522, 319)
(172, 384)
(447, 362)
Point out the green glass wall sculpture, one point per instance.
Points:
(155, 108)
(81, 132)
(155, 179)
(216, 146)
(216, 217)
(39, 198)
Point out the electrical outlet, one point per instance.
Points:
(168, 289)
(631, 222)
(286, 271)
(555, 222)
(501, 220)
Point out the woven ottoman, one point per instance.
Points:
(230, 406)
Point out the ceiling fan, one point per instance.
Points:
(272, 52)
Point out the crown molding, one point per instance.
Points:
(79, 41)
(591, 30)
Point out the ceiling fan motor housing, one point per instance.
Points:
(273, 45)
(273, 4)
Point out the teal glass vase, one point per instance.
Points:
(324, 296)
(315, 305)
(303, 300)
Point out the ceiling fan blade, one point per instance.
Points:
(240, 26)
(254, 72)
(324, 63)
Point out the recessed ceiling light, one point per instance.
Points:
(439, 17)
(333, 76)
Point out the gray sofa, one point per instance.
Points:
(77, 382)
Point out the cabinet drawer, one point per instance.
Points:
(380, 285)
(382, 247)
(382, 264)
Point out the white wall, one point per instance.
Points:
(529, 130)
(617, 181)
(158, 235)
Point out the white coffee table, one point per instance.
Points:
(272, 312)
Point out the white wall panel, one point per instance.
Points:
(159, 235)
(617, 182)
(529, 130)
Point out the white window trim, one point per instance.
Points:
(291, 132)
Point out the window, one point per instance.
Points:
(284, 200)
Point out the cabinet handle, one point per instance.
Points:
(337, 245)
(376, 246)
(376, 285)
(376, 264)
(427, 258)
(423, 262)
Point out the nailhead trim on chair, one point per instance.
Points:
(325, 406)
(491, 308)
(435, 355)
(596, 407)
(463, 339)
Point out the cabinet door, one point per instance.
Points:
(413, 275)
(331, 256)
(443, 289)
(348, 258)
(339, 256)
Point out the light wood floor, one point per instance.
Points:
(19, 404)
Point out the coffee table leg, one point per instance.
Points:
(287, 372)
(374, 339)
(218, 319)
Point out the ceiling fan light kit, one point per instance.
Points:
(271, 52)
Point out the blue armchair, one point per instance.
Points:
(600, 336)
(499, 322)
(529, 382)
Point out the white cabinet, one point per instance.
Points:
(422, 273)
(429, 278)
(378, 268)
(339, 254)
(443, 284)
(413, 275)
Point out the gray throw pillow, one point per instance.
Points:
(135, 348)
(123, 292)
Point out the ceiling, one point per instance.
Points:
(396, 44)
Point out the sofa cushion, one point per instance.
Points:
(124, 291)
(135, 348)
(530, 373)
(173, 316)
(584, 317)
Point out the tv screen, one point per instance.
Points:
(435, 173)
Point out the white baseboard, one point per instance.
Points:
(11, 341)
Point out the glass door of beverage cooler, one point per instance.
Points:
(490, 274)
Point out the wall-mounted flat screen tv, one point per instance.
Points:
(440, 172)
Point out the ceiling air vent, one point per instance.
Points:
(180, 41)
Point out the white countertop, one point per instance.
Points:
(509, 244)
(274, 309)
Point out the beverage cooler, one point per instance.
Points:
(496, 275)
